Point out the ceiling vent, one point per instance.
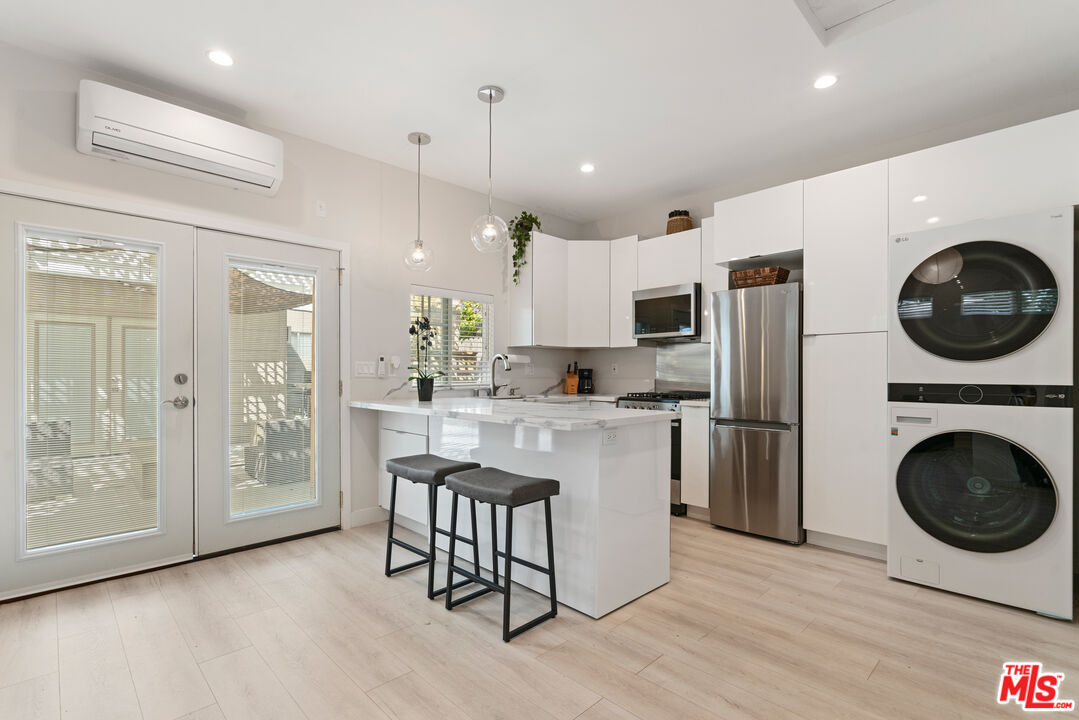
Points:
(831, 19)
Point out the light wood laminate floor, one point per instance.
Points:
(747, 628)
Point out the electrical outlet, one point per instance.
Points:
(320, 208)
(395, 364)
(530, 370)
(610, 437)
(614, 368)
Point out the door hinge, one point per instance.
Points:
(340, 276)
(340, 388)
(341, 499)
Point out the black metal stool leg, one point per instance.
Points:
(453, 548)
(550, 555)
(475, 539)
(494, 542)
(509, 576)
(432, 519)
(389, 527)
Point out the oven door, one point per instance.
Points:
(667, 312)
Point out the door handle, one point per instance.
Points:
(179, 402)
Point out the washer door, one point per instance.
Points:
(976, 491)
(977, 300)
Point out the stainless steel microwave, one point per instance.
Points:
(667, 312)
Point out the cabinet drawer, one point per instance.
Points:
(403, 422)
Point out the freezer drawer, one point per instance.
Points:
(755, 483)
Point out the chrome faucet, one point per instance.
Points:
(505, 366)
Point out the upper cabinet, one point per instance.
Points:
(669, 260)
(713, 277)
(519, 301)
(589, 297)
(1008, 172)
(846, 251)
(623, 283)
(550, 290)
(768, 222)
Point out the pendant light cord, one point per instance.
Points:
(419, 243)
(490, 151)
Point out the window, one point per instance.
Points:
(462, 345)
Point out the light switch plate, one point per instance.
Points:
(364, 368)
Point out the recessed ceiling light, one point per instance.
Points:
(587, 168)
(933, 220)
(919, 198)
(220, 57)
(825, 81)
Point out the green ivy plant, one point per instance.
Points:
(521, 231)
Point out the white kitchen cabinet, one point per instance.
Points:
(696, 432)
(713, 277)
(1020, 169)
(767, 222)
(606, 404)
(519, 302)
(550, 290)
(844, 435)
(669, 260)
(623, 283)
(846, 251)
(396, 442)
(588, 277)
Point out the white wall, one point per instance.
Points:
(371, 207)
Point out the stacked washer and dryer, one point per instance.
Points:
(980, 370)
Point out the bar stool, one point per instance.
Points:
(429, 470)
(498, 487)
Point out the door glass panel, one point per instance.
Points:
(977, 300)
(976, 491)
(271, 375)
(91, 432)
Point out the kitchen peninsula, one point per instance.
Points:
(612, 517)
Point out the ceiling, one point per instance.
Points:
(664, 97)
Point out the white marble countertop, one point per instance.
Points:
(566, 416)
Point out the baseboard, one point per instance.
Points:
(847, 545)
(698, 513)
(367, 516)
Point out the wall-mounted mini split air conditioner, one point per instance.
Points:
(123, 125)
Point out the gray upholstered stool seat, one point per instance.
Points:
(427, 469)
(498, 487)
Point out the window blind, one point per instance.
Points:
(462, 342)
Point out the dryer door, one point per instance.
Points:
(977, 300)
(976, 491)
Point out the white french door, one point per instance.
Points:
(96, 468)
(268, 413)
(128, 440)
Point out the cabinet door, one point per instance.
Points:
(669, 260)
(411, 497)
(519, 302)
(1021, 169)
(623, 283)
(763, 223)
(713, 277)
(589, 279)
(695, 436)
(846, 251)
(844, 450)
(550, 290)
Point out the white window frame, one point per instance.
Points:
(446, 382)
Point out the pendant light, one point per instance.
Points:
(489, 232)
(417, 257)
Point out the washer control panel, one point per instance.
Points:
(959, 394)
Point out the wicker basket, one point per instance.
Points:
(678, 221)
(760, 276)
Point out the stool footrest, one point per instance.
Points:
(407, 566)
(527, 564)
(460, 538)
(531, 624)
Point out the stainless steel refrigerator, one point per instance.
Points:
(755, 458)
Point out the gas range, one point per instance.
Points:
(660, 400)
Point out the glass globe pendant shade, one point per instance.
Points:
(489, 233)
(417, 257)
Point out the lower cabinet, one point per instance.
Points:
(695, 435)
(845, 435)
(401, 435)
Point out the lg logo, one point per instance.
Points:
(901, 239)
